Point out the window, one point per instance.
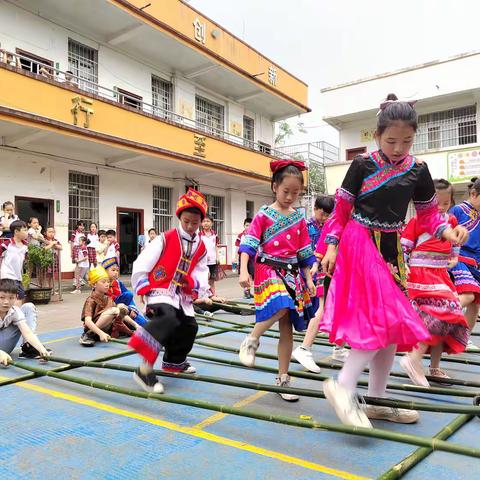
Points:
(351, 153)
(216, 210)
(248, 131)
(82, 198)
(33, 63)
(162, 208)
(83, 63)
(161, 97)
(264, 148)
(210, 116)
(447, 128)
(130, 99)
(250, 209)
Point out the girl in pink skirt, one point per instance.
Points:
(366, 306)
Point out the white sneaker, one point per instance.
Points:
(345, 404)
(414, 371)
(397, 415)
(76, 291)
(340, 354)
(471, 347)
(304, 356)
(284, 381)
(248, 349)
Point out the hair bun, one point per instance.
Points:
(391, 96)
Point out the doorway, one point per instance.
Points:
(26, 207)
(129, 227)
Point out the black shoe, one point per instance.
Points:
(87, 339)
(30, 352)
(148, 381)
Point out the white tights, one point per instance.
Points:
(380, 361)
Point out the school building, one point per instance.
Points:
(448, 136)
(110, 109)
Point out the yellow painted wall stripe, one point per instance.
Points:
(195, 432)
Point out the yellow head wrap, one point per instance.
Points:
(96, 274)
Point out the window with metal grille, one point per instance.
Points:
(161, 97)
(248, 131)
(162, 208)
(448, 128)
(129, 98)
(82, 199)
(264, 148)
(216, 210)
(83, 63)
(250, 209)
(33, 63)
(209, 116)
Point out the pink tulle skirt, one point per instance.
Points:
(365, 308)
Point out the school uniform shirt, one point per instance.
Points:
(101, 250)
(13, 317)
(82, 255)
(147, 260)
(113, 250)
(75, 238)
(7, 233)
(211, 242)
(13, 258)
(92, 240)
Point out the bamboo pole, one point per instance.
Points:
(347, 429)
(398, 470)
(304, 392)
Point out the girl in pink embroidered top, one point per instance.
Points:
(366, 307)
(432, 290)
(278, 240)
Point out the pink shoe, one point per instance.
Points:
(414, 371)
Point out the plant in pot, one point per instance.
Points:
(40, 261)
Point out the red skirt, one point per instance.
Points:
(433, 292)
(92, 255)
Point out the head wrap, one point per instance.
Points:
(110, 262)
(96, 274)
(276, 165)
(192, 199)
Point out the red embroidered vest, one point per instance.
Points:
(173, 266)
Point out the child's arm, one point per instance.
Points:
(4, 358)
(32, 339)
(104, 337)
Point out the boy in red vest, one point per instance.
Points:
(167, 273)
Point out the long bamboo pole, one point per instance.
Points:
(402, 467)
(423, 406)
(347, 429)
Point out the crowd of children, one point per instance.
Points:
(353, 271)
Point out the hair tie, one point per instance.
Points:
(276, 165)
(386, 103)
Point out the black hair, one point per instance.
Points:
(31, 219)
(442, 184)
(17, 225)
(209, 218)
(93, 223)
(8, 202)
(247, 220)
(80, 223)
(281, 173)
(111, 232)
(102, 232)
(325, 203)
(194, 210)
(396, 112)
(8, 286)
(81, 238)
(152, 230)
(474, 185)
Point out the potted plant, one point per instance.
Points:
(39, 261)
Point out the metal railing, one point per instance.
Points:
(67, 78)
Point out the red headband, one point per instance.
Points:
(276, 165)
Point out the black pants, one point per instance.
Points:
(172, 329)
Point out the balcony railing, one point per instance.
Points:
(444, 133)
(133, 103)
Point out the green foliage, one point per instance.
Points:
(26, 281)
(39, 257)
(316, 178)
(284, 131)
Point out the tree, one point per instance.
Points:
(284, 131)
(316, 179)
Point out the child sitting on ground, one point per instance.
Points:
(99, 312)
(13, 324)
(119, 293)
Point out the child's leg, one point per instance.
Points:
(380, 367)
(471, 314)
(312, 328)
(8, 338)
(436, 355)
(31, 315)
(77, 277)
(285, 344)
(261, 327)
(106, 319)
(353, 367)
(412, 364)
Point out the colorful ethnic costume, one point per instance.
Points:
(282, 247)
(120, 294)
(431, 288)
(366, 307)
(467, 273)
(167, 272)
